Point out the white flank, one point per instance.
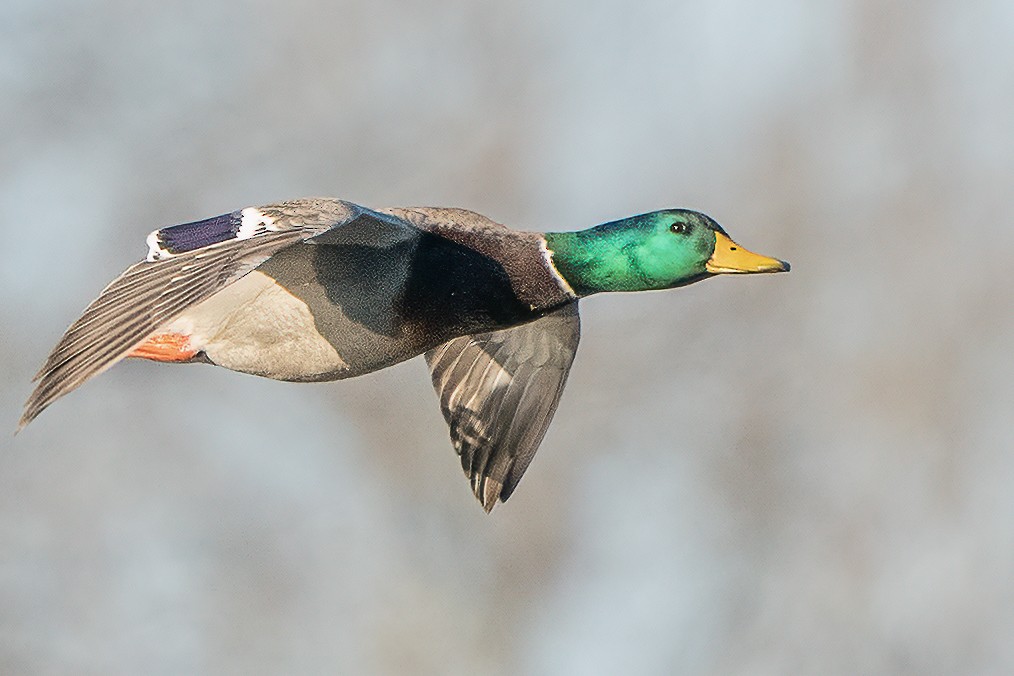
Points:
(257, 326)
(547, 255)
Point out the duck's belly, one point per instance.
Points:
(258, 326)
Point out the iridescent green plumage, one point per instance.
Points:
(657, 250)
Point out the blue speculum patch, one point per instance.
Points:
(190, 236)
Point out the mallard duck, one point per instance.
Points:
(323, 289)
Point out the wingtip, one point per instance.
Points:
(490, 494)
(22, 423)
(29, 414)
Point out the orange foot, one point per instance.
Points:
(165, 347)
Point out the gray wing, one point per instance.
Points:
(186, 264)
(498, 392)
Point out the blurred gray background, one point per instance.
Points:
(803, 473)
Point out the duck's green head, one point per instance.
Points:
(658, 250)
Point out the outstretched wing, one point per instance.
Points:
(498, 392)
(186, 264)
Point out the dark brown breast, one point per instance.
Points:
(521, 254)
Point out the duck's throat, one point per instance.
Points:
(591, 263)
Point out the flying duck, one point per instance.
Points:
(323, 289)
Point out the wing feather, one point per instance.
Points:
(498, 392)
(153, 292)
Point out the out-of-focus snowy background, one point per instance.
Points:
(803, 473)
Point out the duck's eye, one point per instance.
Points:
(680, 228)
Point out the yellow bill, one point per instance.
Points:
(731, 258)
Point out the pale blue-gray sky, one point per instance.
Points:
(805, 473)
